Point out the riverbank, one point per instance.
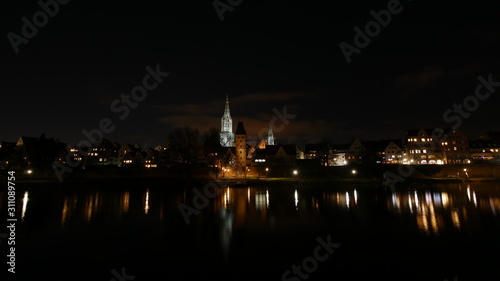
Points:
(353, 173)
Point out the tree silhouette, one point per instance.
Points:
(186, 143)
(212, 147)
(45, 151)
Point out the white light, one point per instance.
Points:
(474, 198)
(295, 172)
(267, 198)
(354, 172)
(347, 199)
(29, 171)
(25, 204)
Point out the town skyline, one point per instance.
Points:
(66, 78)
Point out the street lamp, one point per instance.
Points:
(295, 172)
(353, 172)
(267, 170)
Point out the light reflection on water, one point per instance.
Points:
(432, 209)
(266, 211)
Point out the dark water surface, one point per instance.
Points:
(88, 230)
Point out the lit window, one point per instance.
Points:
(424, 151)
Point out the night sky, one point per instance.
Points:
(265, 55)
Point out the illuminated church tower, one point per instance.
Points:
(226, 127)
(241, 145)
(270, 137)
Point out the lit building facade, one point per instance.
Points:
(226, 127)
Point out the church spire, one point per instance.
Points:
(226, 127)
(270, 137)
(226, 109)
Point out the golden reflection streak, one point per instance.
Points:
(445, 199)
(146, 202)
(125, 199)
(455, 218)
(410, 204)
(69, 204)
(91, 206)
(417, 203)
(494, 204)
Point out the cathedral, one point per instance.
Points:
(226, 127)
(227, 137)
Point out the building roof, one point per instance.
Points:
(316, 147)
(414, 132)
(28, 142)
(240, 130)
(340, 147)
(490, 135)
(379, 145)
(7, 145)
(289, 149)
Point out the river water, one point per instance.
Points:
(135, 230)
